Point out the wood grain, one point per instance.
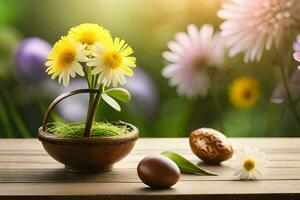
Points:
(27, 172)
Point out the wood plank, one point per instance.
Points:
(130, 161)
(279, 156)
(181, 188)
(169, 143)
(27, 163)
(121, 175)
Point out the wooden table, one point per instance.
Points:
(27, 172)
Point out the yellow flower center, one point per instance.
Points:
(66, 57)
(247, 94)
(112, 59)
(201, 63)
(88, 37)
(249, 164)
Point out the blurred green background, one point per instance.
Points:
(156, 109)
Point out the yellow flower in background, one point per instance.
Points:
(90, 33)
(244, 92)
(63, 60)
(112, 62)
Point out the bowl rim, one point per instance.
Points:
(130, 137)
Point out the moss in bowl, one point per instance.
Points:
(99, 129)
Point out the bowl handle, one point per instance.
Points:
(59, 99)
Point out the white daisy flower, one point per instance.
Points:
(251, 164)
(112, 62)
(254, 25)
(64, 59)
(190, 56)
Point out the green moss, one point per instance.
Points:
(99, 129)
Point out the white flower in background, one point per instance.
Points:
(254, 25)
(249, 164)
(190, 56)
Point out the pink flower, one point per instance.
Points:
(189, 57)
(297, 50)
(297, 57)
(254, 25)
(297, 44)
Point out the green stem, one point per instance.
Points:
(16, 117)
(273, 125)
(91, 116)
(289, 96)
(297, 100)
(87, 72)
(91, 99)
(5, 121)
(87, 75)
(219, 111)
(217, 105)
(93, 85)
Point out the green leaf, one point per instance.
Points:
(119, 93)
(110, 101)
(185, 165)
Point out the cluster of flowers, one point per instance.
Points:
(250, 26)
(107, 60)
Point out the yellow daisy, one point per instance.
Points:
(112, 62)
(90, 33)
(244, 92)
(63, 60)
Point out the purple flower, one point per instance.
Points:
(144, 92)
(74, 109)
(29, 60)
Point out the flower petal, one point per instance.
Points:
(297, 56)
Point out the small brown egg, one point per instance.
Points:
(158, 171)
(210, 145)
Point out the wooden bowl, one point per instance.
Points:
(88, 155)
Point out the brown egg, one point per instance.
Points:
(158, 171)
(210, 145)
